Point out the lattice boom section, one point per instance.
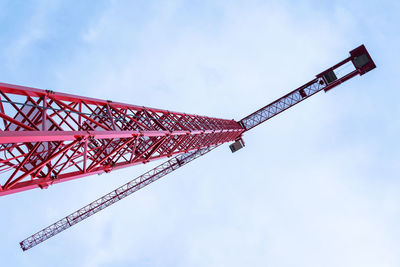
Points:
(112, 197)
(283, 103)
(49, 137)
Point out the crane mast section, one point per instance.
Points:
(359, 61)
(112, 197)
(48, 138)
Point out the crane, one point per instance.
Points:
(102, 136)
(47, 138)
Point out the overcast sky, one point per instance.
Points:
(315, 186)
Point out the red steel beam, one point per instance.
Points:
(78, 136)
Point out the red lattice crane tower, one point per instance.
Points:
(48, 138)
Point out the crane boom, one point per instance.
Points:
(326, 80)
(113, 196)
(323, 81)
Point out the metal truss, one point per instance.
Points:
(112, 197)
(359, 61)
(283, 103)
(47, 137)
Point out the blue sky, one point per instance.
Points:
(316, 186)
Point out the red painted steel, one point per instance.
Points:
(249, 122)
(48, 138)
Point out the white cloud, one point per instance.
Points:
(306, 190)
(34, 29)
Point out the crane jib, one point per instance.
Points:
(361, 63)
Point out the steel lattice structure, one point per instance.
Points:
(360, 61)
(49, 137)
(114, 196)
